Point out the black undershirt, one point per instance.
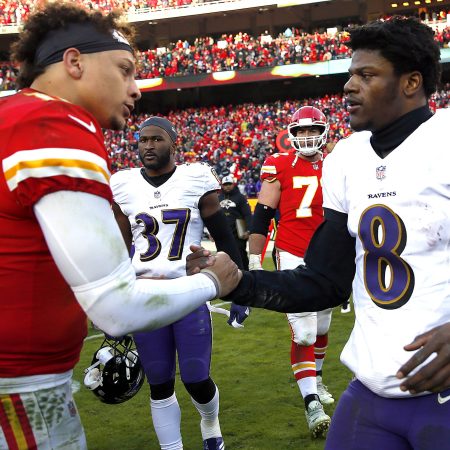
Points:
(159, 179)
(390, 137)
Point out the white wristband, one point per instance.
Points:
(254, 262)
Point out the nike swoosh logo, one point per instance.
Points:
(89, 126)
(443, 400)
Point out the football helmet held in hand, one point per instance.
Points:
(115, 374)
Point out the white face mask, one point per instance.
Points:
(307, 145)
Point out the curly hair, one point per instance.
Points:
(55, 16)
(406, 43)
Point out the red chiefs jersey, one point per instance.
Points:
(46, 145)
(300, 205)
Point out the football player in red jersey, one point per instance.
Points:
(63, 255)
(292, 184)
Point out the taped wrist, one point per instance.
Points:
(254, 262)
(261, 219)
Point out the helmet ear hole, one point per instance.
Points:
(116, 373)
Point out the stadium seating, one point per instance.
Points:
(13, 12)
(234, 52)
(236, 138)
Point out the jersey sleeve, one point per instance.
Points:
(59, 147)
(119, 182)
(209, 177)
(272, 167)
(324, 282)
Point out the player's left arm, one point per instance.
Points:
(434, 376)
(217, 225)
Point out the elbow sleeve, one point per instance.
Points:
(119, 304)
(261, 219)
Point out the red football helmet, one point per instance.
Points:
(308, 116)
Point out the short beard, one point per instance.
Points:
(160, 162)
(116, 125)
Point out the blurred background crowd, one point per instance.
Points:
(234, 138)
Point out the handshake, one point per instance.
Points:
(220, 268)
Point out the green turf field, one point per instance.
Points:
(260, 403)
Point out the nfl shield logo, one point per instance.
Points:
(381, 173)
(157, 194)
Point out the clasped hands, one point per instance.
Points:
(220, 266)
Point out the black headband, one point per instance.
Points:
(163, 123)
(83, 36)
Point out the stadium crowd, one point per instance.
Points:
(234, 52)
(14, 12)
(236, 139)
(242, 51)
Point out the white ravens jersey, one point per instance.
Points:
(165, 220)
(399, 212)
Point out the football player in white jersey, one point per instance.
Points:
(162, 209)
(387, 231)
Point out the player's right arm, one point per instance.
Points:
(268, 200)
(325, 281)
(326, 278)
(87, 246)
(59, 170)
